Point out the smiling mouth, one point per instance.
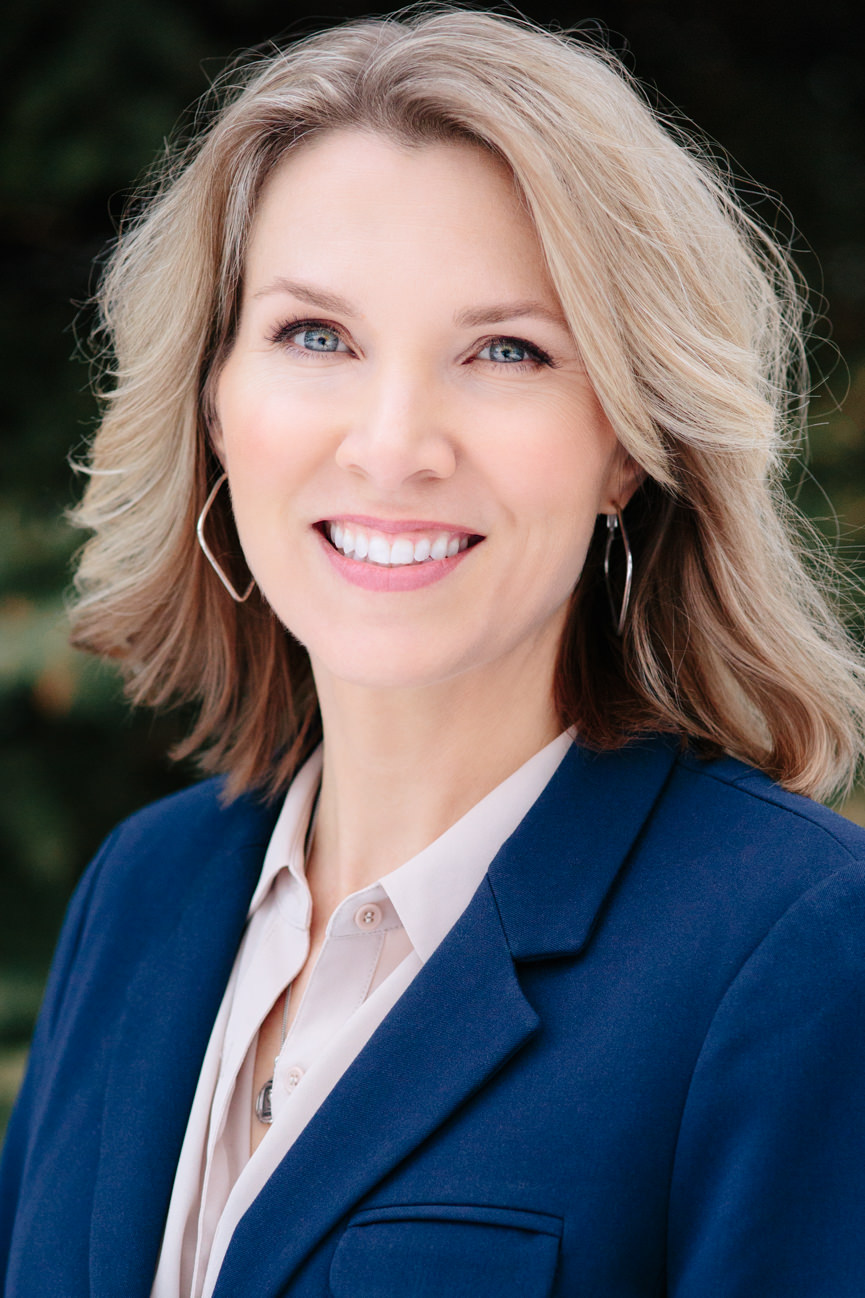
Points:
(402, 550)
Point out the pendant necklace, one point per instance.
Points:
(263, 1110)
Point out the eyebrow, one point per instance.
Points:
(472, 317)
(499, 311)
(307, 293)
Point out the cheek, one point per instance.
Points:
(559, 476)
(269, 456)
(558, 482)
(268, 439)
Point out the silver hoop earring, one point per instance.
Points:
(208, 553)
(615, 523)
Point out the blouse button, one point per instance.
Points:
(292, 1077)
(368, 916)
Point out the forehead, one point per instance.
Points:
(352, 202)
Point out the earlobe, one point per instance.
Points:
(214, 435)
(626, 478)
(635, 476)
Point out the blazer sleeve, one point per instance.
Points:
(21, 1124)
(768, 1189)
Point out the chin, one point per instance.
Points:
(383, 663)
(393, 675)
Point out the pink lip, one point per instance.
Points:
(372, 576)
(394, 527)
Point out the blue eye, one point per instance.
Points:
(507, 350)
(513, 351)
(317, 338)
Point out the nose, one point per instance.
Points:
(398, 432)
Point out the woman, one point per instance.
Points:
(449, 401)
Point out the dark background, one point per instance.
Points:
(89, 92)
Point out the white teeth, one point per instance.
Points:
(358, 544)
(401, 553)
(379, 550)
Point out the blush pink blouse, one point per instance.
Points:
(376, 941)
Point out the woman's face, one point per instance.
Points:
(415, 455)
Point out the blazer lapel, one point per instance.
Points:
(365, 1126)
(540, 898)
(553, 875)
(171, 1004)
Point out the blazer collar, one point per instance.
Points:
(577, 836)
(541, 898)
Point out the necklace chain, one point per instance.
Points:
(263, 1107)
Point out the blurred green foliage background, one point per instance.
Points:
(89, 92)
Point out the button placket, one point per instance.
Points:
(337, 988)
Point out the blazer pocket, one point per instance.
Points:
(430, 1250)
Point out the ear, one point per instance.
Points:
(625, 477)
(215, 438)
(211, 420)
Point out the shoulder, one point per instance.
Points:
(188, 825)
(192, 818)
(771, 1131)
(168, 853)
(191, 851)
(750, 850)
(746, 802)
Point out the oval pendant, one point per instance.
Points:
(262, 1103)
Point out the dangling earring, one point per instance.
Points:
(208, 553)
(615, 523)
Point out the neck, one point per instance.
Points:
(402, 766)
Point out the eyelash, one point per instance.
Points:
(282, 335)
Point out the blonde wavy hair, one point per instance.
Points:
(688, 316)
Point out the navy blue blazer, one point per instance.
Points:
(634, 1066)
